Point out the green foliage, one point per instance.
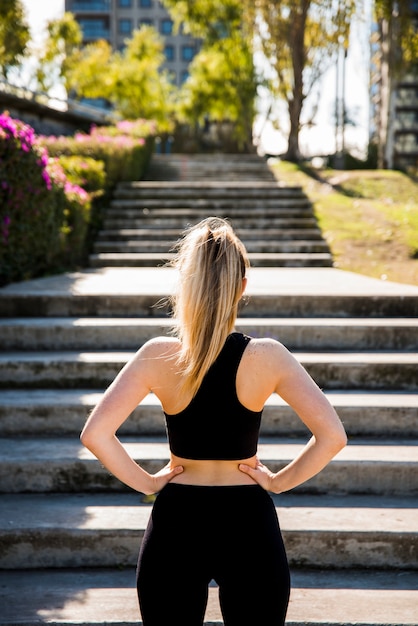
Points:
(132, 80)
(76, 216)
(222, 87)
(46, 201)
(85, 172)
(222, 83)
(124, 156)
(33, 205)
(14, 35)
(88, 70)
(63, 39)
(210, 20)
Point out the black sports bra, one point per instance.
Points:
(215, 425)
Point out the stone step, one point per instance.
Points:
(105, 530)
(259, 247)
(52, 412)
(99, 597)
(183, 216)
(207, 171)
(59, 465)
(198, 208)
(173, 234)
(272, 292)
(211, 189)
(207, 174)
(193, 214)
(115, 220)
(78, 333)
(392, 370)
(267, 259)
(135, 302)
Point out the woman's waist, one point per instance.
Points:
(212, 472)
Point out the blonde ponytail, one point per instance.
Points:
(211, 261)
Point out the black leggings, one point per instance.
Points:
(227, 534)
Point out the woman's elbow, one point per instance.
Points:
(87, 437)
(339, 439)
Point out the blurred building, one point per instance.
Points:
(115, 21)
(394, 95)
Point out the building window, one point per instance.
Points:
(125, 26)
(166, 27)
(145, 4)
(187, 53)
(90, 5)
(94, 29)
(169, 52)
(144, 22)
(184, 76)
(125, 4)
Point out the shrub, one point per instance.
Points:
(44, 215)
(76, 216)
(139, 129)
(47, 188)
(123, 151)
(31, 206)
(84, 172)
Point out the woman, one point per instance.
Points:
(213, 517)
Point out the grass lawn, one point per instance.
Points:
(368, 217)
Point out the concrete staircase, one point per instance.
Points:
(145, 218)
(70, 533)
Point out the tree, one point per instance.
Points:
(397, 39)
(222, 87)
(209, 20)
(14, 35)
(131, 80)
(63, 40)
(222, 82)
(299, 40)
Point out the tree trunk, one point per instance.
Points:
(297, 20)
(385, 92)
(293, 151)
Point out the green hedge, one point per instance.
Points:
(31, 205)
(86, 172)
(50, 186)
(125, 149)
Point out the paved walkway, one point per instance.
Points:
(149, 281)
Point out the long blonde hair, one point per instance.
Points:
(212, 262)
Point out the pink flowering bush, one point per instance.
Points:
(76, 216)
(85, 172)
(125, 149)
(138, 129)
(43, 215)
(50, 190)
(31, 209)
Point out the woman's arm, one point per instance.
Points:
(99, 434)
(297, 388)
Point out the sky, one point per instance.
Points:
(319, 139)
(39, 12)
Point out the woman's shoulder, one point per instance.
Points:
(259, 345)
(267, 350)
(160, 346)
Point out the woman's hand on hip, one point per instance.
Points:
(260, 473)
(167, 473)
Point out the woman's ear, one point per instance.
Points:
(244, 284)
